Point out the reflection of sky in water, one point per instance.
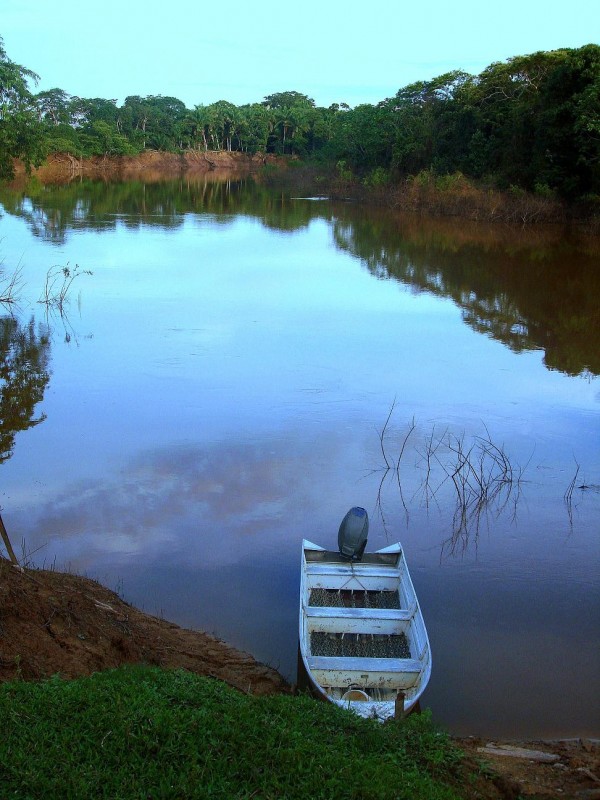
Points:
(227, 405)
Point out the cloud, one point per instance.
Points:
(208, 503)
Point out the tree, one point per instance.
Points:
(100, 139)
(63, 138)
(538, 120)
(224, 119)
(194, 123)
(292, 114)
(287, 99)
(255, 127)
(21, 133)
(568, 124)
(83, 111)
(364, 136)
(54, 106)
(155, 121)
(428, 131)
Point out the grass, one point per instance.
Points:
(143, 732)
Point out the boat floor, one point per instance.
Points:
(353, 598)
(353, 645)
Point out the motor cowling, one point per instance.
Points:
(352, 536)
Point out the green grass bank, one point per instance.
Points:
(143, 732)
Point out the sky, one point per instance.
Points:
(335, 51)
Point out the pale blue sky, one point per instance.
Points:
(332, 50)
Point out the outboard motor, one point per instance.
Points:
(352, 536)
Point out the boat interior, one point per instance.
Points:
(364, 636)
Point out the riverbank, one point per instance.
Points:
(433, 195)
(149, 165)
(426, 194)
(53, 622)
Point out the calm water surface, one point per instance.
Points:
(217, 389)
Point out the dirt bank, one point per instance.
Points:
(52, 622)
(544, 770)
(151, 164)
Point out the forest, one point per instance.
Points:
(531, 123)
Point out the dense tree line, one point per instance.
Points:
(532, 122)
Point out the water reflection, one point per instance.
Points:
(198, 529)
(53, 211)
(529, 290)
(24, 375)
(232, 484)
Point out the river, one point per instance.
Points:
(218, 388)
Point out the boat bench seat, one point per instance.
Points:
(361, 571)
(335, 612)
(385, 673)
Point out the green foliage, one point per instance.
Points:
(21, 134)
(455, 182)
(531, 121)
(54, 106)
(364, 136)
(343, 171)
(424, 179)
(142, 732)
(543, 190)
(377, 177)
(153, 122)
(100, 138)
(288, 100)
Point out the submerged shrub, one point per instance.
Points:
(377, 177)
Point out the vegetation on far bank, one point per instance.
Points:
(145, 732)
(530, 124)
(427, 192)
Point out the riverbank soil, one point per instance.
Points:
(53, 622)
(543, 770)
(151, 165)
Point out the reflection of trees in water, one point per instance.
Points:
(52, 211)
(540, 294)
(24, 375)
(529, 289)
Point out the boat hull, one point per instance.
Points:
(363, 643)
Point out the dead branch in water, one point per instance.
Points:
(10, 287)
(58, 284)
(569, 492)
(568, 496)
(382, 433)
(388, 467)
(482, 477)
(7, 544)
